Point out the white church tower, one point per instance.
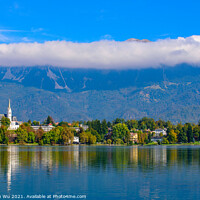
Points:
(9, 113)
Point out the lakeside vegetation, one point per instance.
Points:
(100, 132)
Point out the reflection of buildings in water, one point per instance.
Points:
(12, 165)
(83, 158)
(76, 156)
(160, 156)
(47, 160)
(134, 155)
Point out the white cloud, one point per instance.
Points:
(103, 54)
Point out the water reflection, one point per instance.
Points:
(83, 158)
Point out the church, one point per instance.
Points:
(14, 124)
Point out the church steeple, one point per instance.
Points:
(9, 113)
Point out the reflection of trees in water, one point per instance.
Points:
(99, 158)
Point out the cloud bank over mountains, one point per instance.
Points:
(104, 54)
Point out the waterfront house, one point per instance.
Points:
(134, 137)
(160, 132)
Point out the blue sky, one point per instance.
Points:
(94, 20)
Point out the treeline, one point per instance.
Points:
(26, 134)
(176, 133)
(115, 132)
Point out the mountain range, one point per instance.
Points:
(169, 93)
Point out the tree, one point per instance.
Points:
(104, 128)
(149, 137)
(92, 139)
(83, 138)
(182, 137)
(39, 134)
(49, 120)
(189, 133)
(98, 136)
(109, 124)
(3, 135)
(132, 124)
(172, 136)
(165, 141)
(121, 131)
(196, 131)
(66, 135)
(142, 137)
(35, 123)
(109, 141)
(119, 141)
(31, 137)
(22, 135)
(5, 121)
(118, 121)
(46, 138)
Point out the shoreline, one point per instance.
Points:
(111, 145)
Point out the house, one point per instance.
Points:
(134, 137)
(160, 132)
(85, 127)
(76, 140)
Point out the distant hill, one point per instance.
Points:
(170, 93)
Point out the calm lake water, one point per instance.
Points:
(101, 172)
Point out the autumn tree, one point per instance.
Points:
(172, 136)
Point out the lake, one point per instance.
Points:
(100, 172)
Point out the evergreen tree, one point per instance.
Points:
(189, 133)
(49, 120)
(182, 136)
(104, 128)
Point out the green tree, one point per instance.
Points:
(189, 133)
(83, 138)
(49, 120)
(31, 137)
(119, 141)
(196, 131)
(98, 136)
(172, 136)
(121, 131)
(5, 121)
(3, 135)
(35, 123)
(46, 138)
(92, 138)
(104, 128)
(109, 141)
(182, 136)
(22, 135)
(132, 124)
(66, 135)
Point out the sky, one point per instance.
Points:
(33, 31)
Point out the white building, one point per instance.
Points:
(45, 128)
(76, 140)
(160, 131)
